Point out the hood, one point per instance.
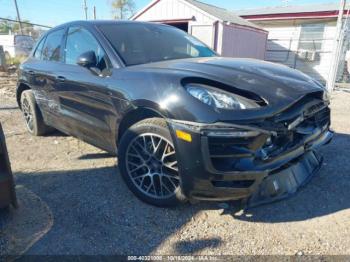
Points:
(276, 84)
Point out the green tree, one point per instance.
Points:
(27, 27)
(123, 9)
(5, 26)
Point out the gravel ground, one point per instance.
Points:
(21, 228)
(92, 212)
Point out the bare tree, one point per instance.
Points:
(123, 9)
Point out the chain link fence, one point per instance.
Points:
(310, 52)
(310, 49)
(312, 56)
(17, 40)
(343, 73)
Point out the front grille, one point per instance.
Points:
(317, 116)
(226, 152)
(320, 119)
(230, 147)
(239, 153)
(314, 113)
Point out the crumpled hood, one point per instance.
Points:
(277, 84)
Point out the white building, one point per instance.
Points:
(16, 45)
(219, 28)
(302, 37)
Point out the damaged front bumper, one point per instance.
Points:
(240, 162)
(285, 182)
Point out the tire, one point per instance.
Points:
(147, 156)
(32, 115)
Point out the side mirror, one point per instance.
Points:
(87, 59)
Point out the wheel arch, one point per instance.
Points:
(134, 116)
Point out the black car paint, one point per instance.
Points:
(91, 107)
(7, 186)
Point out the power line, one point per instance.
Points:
(23, 22)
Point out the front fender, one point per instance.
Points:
(150, 105)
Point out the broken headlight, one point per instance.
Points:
(219, 99)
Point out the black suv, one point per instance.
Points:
(185, 123)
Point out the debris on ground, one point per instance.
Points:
(8, 84)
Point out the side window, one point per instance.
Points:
(39, 49)
(79, 41)
(52, 47)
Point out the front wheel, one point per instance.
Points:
(148, 164)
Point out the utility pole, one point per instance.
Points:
(337, 47)
(18, 17)
(94, 12)
(85, 10)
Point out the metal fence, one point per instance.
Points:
(18, 39)
(313, 60)
(311, 49)
(313, 55)
(343, 73)
(10, 26)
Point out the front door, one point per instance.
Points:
(84, 98)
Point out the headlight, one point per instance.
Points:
(218, 98)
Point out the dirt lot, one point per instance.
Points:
(73, 201)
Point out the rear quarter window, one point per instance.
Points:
(53, 45)
(39, 49)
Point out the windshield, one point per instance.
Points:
(145, 43)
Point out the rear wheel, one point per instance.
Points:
(32, 115)
(148, 164)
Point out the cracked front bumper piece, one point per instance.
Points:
(286, 182)
(232, 162)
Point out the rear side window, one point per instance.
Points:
(52, 47)
(39, 49)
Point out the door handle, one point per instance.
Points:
(61, 78)
(31, 72)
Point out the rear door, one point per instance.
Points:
(39, 71)
(45, 67)
(84, 98)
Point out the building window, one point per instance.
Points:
(311, 37)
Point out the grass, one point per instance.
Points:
(15, 60)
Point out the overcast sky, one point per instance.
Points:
(54, 12)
